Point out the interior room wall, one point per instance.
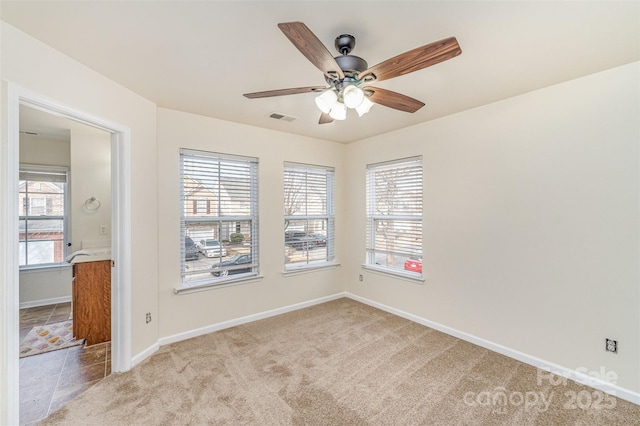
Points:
(42, 286)
(186, 312)
(531, 223)
(77, 86)
(45, 151)
(90, 177)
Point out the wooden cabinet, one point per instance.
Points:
(91, 298)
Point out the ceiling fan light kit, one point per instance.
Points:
(326, 101)
(353, 96)
(364, 107)
(348, 75)
(339, 111)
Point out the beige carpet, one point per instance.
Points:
(339, 363)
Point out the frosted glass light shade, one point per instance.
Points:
(339, 111)
(364, 107)
(326, 101)
(353, 96)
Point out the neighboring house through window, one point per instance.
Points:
(219, 217)
(43, 222)
(394, 216)
(308, 215)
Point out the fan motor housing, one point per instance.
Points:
(351, 65)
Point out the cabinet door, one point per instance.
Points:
(92, 301)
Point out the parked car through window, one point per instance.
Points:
(191, 251)
(232, 266)
(212, 248)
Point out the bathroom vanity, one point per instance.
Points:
(91, 299)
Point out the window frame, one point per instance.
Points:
(324, 172)
(56, 174)
(372, 217)
(218, 160)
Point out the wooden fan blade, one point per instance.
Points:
(394, 100)
(325, 118)
(414, 60)
(312, 48)
(283, 92)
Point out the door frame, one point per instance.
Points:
(121, 360)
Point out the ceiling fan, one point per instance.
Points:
(349, 76)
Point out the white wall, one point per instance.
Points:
(45, 151)
(182, 313)
(90, 177)
(531, 222)
(70, 83)
(44, 287)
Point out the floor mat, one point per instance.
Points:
(47, 338)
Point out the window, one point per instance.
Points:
(43, 224)
(219, 220)
(37, 205)
(394, 216)
(308, 215)
(202, 207)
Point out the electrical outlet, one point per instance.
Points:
(360, 278)
(611, 346)
(102, 229)
(148, 317)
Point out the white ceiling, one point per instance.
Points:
(200, 57)
(42, 124)
(47, 125)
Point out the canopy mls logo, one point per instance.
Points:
(540, 399)
(499, 399)
(585, 377)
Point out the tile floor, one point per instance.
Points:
(49, 380)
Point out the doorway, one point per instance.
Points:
(120, 235)
(64, 206)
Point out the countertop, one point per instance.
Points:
(90, 255)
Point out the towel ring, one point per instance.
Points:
(92, 204)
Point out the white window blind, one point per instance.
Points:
(219, 220)
(43, 219)
(394, 216)
(308, 215)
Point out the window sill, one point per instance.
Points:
(307, 269)
(217, 284)
(418, 279)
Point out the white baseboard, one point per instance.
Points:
(246, 319)
(45, 302)
(576, 376)
(144, 354)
